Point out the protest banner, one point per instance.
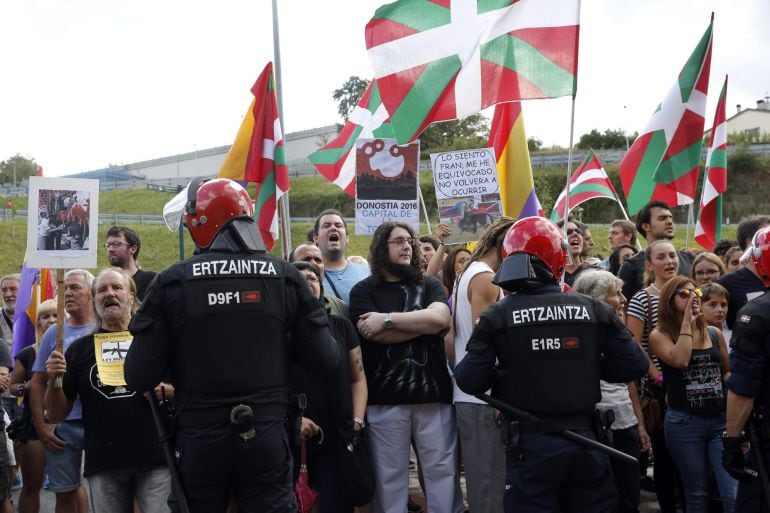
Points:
(386, 184)
(467, 192)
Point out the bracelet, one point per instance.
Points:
(359, 421)
(686, 335)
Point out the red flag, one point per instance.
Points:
(708, 229)
(258, 155)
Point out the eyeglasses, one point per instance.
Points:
(685, 293)
(401, 242)
(115, 245)
(710, 272)
(573, 231)
(311, 278)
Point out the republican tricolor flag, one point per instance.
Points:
(590, 181)
(258, 155)
(437, 60)
(664, 161)
(35, 286)
(514, 169)
(369, 120)
(708, 229)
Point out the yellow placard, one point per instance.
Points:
(110, 350)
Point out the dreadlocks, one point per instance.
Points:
(491, 238)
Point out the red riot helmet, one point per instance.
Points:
(760, 254)
(211, 204)
(532, 237)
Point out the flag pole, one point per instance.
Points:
(283, 202)
(569, 179)
(424, 210)
(687, 232)
(625, 214)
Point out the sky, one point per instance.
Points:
(89, 83)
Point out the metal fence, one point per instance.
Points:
(304, 167)
(104, 218)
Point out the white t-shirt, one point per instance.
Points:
(464, 323)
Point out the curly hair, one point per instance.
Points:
(379, 257)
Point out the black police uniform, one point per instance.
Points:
(217, 323)
(552, 350)
(750, 377)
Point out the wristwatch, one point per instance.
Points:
(359, 421)
(388, 324)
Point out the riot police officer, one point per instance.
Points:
(217, 323)
(552, 349)
(748, 394)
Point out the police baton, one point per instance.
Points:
(570, 435)
(163, 438)
(756, 444)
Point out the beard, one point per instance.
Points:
(117, 261)
(405, 272)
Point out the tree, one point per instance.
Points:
(18, 167)
(610, 139)
(534, 144)
(349, 94)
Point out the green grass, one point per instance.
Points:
(160, 247)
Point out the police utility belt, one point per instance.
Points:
(240, 416)
(511, 430)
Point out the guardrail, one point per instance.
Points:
(304, 167)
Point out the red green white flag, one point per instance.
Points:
(589, 181)
(369, 120)
(708, 229)
(258, 155)
(437, 60)
(664, 161)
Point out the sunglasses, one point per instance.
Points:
(572, 231)
(685, 293)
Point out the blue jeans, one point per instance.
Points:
(113, 491)
(696, 446)
(63, 468)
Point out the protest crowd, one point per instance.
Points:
(501, 359)
(372, 366)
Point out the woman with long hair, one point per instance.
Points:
(694, 362)
(29, 450)
(661, 264)
(453, 265)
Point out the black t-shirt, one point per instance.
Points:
(741, 284)
(410, 372)
(329, 400)
(699, 388)
(27, 358)
(569, 278)
(142, 279)
(119, 430)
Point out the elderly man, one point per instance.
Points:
(64, 442)
(9, 286)
(123, 457)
